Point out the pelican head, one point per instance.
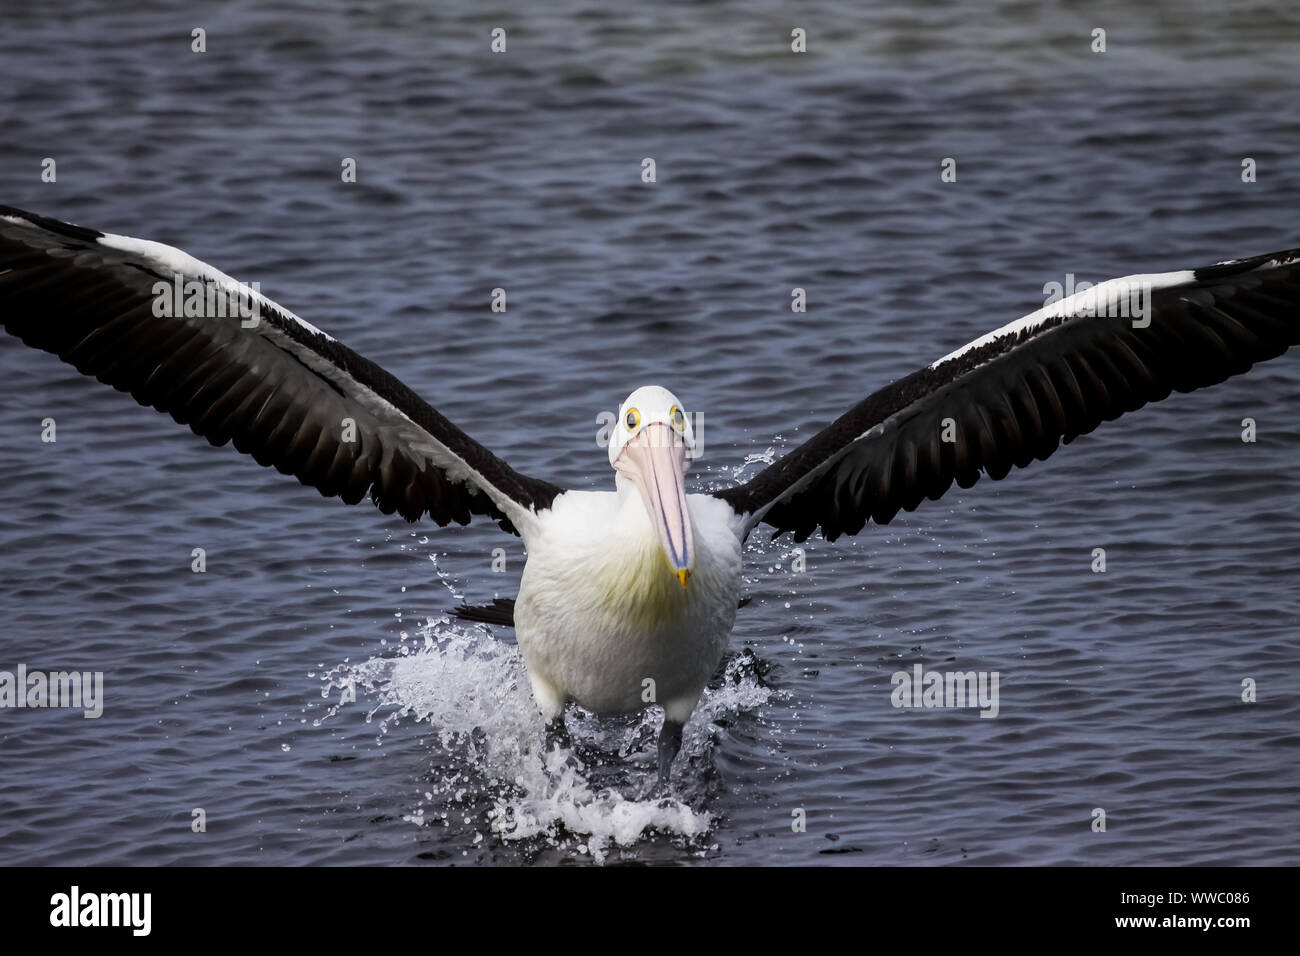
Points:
(651, 446)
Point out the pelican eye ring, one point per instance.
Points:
(632, 420)
(679, 418)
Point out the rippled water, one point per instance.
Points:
(233, 690)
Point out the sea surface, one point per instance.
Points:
(309, 693)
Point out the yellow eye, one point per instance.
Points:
(678, 417)
(632, 420)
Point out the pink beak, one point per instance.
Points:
(655, 460)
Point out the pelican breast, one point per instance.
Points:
(602, 619)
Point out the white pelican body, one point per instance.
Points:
(628, 597)
(600, 613)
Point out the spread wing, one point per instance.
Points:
(1013, 395)
(243, 369)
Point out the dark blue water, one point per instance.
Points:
(229, 690)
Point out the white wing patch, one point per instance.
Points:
(1084, 303)
(170, 259)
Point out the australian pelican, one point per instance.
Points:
(637, 587)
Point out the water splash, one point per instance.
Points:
(472, 691)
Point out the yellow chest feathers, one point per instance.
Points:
(634, 581)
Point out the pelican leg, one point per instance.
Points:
(558, 739)
(557, 734)
(670, 741)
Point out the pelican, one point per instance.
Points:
(628, 597)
